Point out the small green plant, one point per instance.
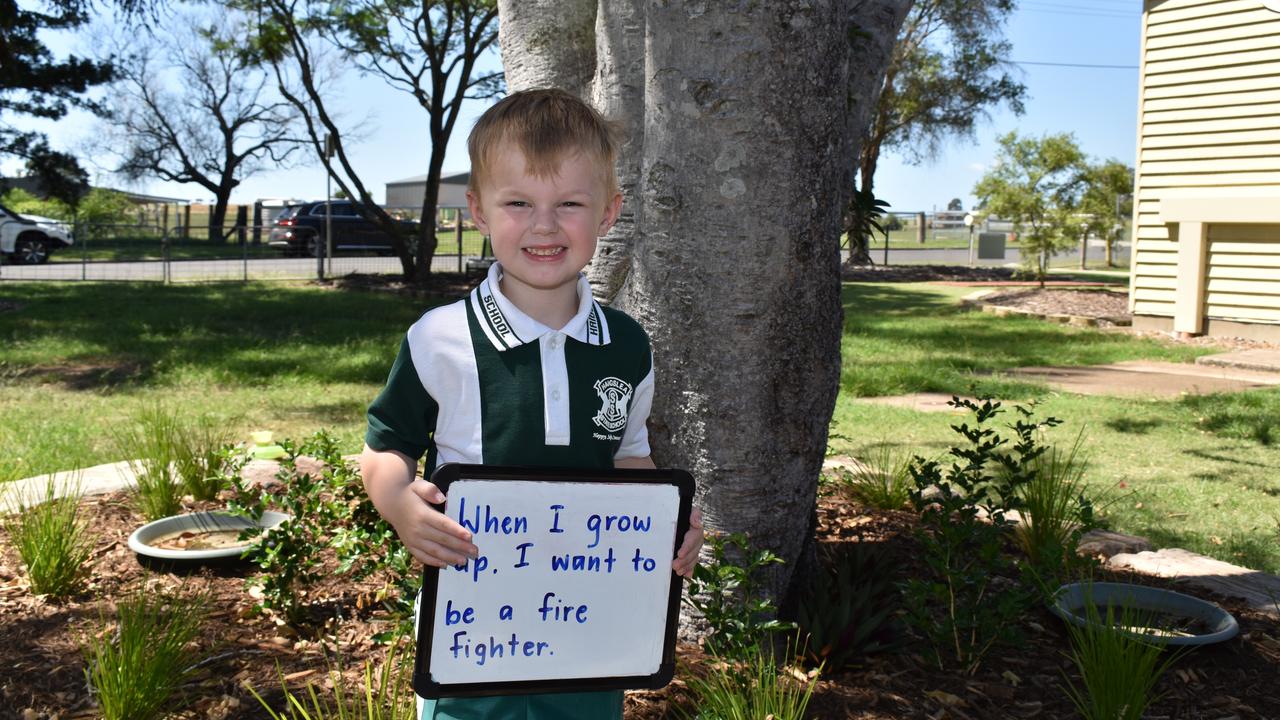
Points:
(754, 689)
(327, 510)
(1055, 513)
(1118, 672)
(847, 609)
(385, 695)
(52, 539)
(962, 532)
(201, 449)
(728, 597)
(135, 668)
(151, 443)
(882, 480)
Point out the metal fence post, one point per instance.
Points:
(84, 249)
(164, 259)
(244, 255)
(457, 233)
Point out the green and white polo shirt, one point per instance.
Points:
(479, 381)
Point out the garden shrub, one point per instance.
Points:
(727, 595)
(961, 607)
(327, 510)
(847, 608)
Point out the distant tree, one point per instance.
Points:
(35, 84)
(426, 48)
(956, 205)
(98, 206)
(947, 72)
(186, 108)
(1107, 201)
(1036, 183)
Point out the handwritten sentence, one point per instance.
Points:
(470, 634)
(482, 520)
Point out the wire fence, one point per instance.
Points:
(153, 253)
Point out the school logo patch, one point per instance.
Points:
(614, 395)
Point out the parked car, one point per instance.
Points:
(299, 228)
(29, 239)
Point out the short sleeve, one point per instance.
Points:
(403, 416)
(635, 438)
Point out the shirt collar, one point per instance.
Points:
(507, 326)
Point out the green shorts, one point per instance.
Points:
(551, 706)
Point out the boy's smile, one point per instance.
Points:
(543, 229)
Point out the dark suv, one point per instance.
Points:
(299, 228)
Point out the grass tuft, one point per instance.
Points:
(755, 689)
(882, 480)
(136, 667)
(52, 539)
(386, 696)
(1118, 672)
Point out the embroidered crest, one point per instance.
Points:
(614, 395)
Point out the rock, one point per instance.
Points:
(1106, 543)
(1259, 590)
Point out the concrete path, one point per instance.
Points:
(1148, 379)
(96, 480)
(1260, 360)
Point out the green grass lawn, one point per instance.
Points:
(1196, 473)
(78, 359)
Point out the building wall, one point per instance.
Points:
(1209, 127)
(409, 195)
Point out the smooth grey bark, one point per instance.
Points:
(747, 116)
(618, 91)
(548, 43)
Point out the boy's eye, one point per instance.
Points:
(517, 203)
(571, 203)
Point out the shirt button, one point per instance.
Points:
(555, 395)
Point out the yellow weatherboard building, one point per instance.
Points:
(1206, 254)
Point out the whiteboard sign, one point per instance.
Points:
(572, 588)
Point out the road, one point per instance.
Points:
(1012, 256)
(207, 270)
(276, 268)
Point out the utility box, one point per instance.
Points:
(991, 245)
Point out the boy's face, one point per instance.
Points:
(543, 230)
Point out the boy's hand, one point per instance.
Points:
(687, 557)
(430, 535)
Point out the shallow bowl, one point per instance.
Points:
(141, 539)
(1218, 624)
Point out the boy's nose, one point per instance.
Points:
(544, 222)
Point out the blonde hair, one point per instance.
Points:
(547, 126)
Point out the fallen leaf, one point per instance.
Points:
(1010, 676)
(299, 675)
(946, 698)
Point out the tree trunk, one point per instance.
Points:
(548, 43)
(218, 214)
(748, 117)
(618, 91)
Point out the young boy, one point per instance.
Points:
(528, 369)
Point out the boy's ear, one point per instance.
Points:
(477, 215)
(610, 214)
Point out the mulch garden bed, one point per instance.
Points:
(44, 668)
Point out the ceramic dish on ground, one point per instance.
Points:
(198, 537)
(1182, 619)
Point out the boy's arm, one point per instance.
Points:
(687, 557)
(404, 501)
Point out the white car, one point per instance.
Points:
(28, 239)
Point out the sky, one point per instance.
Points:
(1051, 40)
